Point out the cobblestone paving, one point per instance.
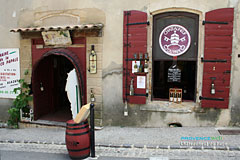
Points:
(152, 154)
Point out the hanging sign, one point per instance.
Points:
(174, 74)
(52, 38)
(9, 72)
(174, 40)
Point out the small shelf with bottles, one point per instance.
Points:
(175, 95)
(138, 67)
(133, 59)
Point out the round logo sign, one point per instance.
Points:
(174, 40)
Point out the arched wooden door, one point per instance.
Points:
(43, 79)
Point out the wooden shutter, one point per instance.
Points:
(217, 57)
(134, 41)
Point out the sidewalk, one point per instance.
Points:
(129, 137)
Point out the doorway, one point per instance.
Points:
(49, 89)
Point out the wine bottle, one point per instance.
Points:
(179, 97)
(135, 67)
(146, 67)
(171, 97)
(175, 97)
(126, 109)
(131, 88)
(92, 97)
(213, 89)
(140, 68)
(93, 60)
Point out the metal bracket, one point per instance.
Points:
(213, 60)
(127, 44)
(133, 59)
(213, 22)
(227, 72)
(138, 23)
(135, 94)
(211, 99)
(128, 13)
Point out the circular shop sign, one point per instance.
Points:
(174, 40)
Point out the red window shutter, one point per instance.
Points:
(217, 58)
(134, 41)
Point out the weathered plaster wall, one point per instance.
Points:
(143, 115)
(9, 14)
(235, 78)
(108, 81)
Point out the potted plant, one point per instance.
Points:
(21, 103)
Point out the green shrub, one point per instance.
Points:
(20, 102)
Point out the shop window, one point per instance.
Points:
(169, 42)
(161, 84)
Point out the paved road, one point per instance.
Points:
(116, 143)
(122, 135)
(17, 151)
(19, 155)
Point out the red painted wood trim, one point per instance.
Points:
(217, 46)
(137, 42)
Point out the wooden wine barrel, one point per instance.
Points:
(78, 139)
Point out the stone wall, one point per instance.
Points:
(94, 81)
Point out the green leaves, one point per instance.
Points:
(20, 102)
(14, 117)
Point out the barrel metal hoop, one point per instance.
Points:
(77, 124)
(87, 126)
(78, 150)
(77, 134)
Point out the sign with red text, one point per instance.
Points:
(9, 72)
(174, 40)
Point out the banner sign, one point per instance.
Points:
(174, 40)
(9, 72)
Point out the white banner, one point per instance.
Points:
(9, 72)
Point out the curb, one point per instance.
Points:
(137, 146)
(31, 142)
(227, 148)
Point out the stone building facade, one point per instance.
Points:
(149, 106)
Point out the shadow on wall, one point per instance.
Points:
(235, 115)
(209, 114)
(5, 105)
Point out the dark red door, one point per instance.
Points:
(43, 74)
(43, 88)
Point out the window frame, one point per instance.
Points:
(196, 39)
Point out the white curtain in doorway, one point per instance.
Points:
(72, 89)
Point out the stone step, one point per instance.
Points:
(42, 124)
